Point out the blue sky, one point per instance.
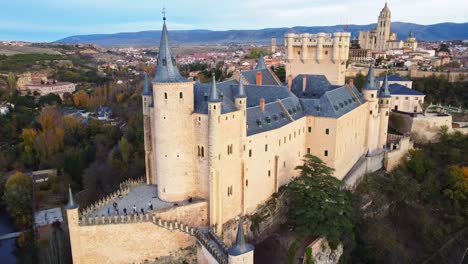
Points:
(49, 20)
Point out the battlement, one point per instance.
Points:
(314, 40)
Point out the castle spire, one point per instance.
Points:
(166, 67)
(241, 90)
(384, 90)
(146, 86)
(214, 96)
(261, 63)
(241, 246)
(370, 80)
(71, 203)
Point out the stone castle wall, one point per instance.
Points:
(107, 240)
(423, 128)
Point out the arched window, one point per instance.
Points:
(181, 95)
(165, 95)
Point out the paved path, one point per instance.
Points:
(139, 196)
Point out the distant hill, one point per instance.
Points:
(442, 31)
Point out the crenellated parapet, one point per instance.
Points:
(124, 189)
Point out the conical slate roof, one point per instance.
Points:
(370, 80)
(241, 90)
(146, 86)
(166, 67)
(214, 96)
(384, 91)
(261, 63)
(71, 203)
(241, 246)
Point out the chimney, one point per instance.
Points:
(262, 104)
(351, 82)
(258, 79)
(304, 83)
(289, 82)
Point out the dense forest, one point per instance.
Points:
(418, 213)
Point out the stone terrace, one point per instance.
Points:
(138, 196)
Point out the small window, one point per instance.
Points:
(250, 153)
(308, 150)
(310, 129)
(284, 164)
(266, 147)
(372, 95)
(269, 173)
(370, 112)
(397, 97)
(181, 95)
(247, 183)
(203, 152)
(326, 52)
(165, 95)
(325, 153)
(386, 113)
(299, 52)
(406, 98)
(327, 131)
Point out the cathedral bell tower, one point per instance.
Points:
(383, 28)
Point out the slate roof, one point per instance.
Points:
(147, 90)
(267, 77)
(393, 78)
(166, 67)
(398, 89)
(370, 83)
(261, 63)
(384, 92)
(319, 99)
(240, 246)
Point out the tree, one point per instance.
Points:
(11, 83)
(18, 199)
(280, 72)
(81, 99)
(124, 148)
(321, 206)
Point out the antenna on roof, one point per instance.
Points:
(346, 24)
(164, 13)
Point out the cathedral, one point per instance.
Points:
(234, 143)
(382, 39)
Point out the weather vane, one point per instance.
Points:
(164, 12)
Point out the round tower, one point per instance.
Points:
(385, 102)
(147, 101)
(214, 115)
(173, 134)
(370, 94)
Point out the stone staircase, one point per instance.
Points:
(205, 236)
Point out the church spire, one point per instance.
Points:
(166, 67)
(214, 96)
(384, 90)
(146, 86)
(241, 90)
(370, 80)
(241, 246)
(71, 203)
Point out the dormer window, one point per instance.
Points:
(164, 62)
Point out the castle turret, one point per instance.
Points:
(147, 101)
(72, 220)
(241, 252)
(385, 101)
(173, 133)
(370, 94)
(214, 115)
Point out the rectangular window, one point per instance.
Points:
(250, 153)
(266, 147)
(310, 129)
(308, 150)
(269, 173)
(406, 98)
(325, 153)
(246, 182)
(327, 131)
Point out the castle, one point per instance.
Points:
(217, 151)
(382, 39)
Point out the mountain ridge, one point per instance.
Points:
(440, 31)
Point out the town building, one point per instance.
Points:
(37, 83)
(382, 39)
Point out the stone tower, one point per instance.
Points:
(385, 101)
(214, 115)
(383, 28)
(241, 252)
(147, 101)
(370, 92)
(273, 45)
(321, 53)
(173, 140)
